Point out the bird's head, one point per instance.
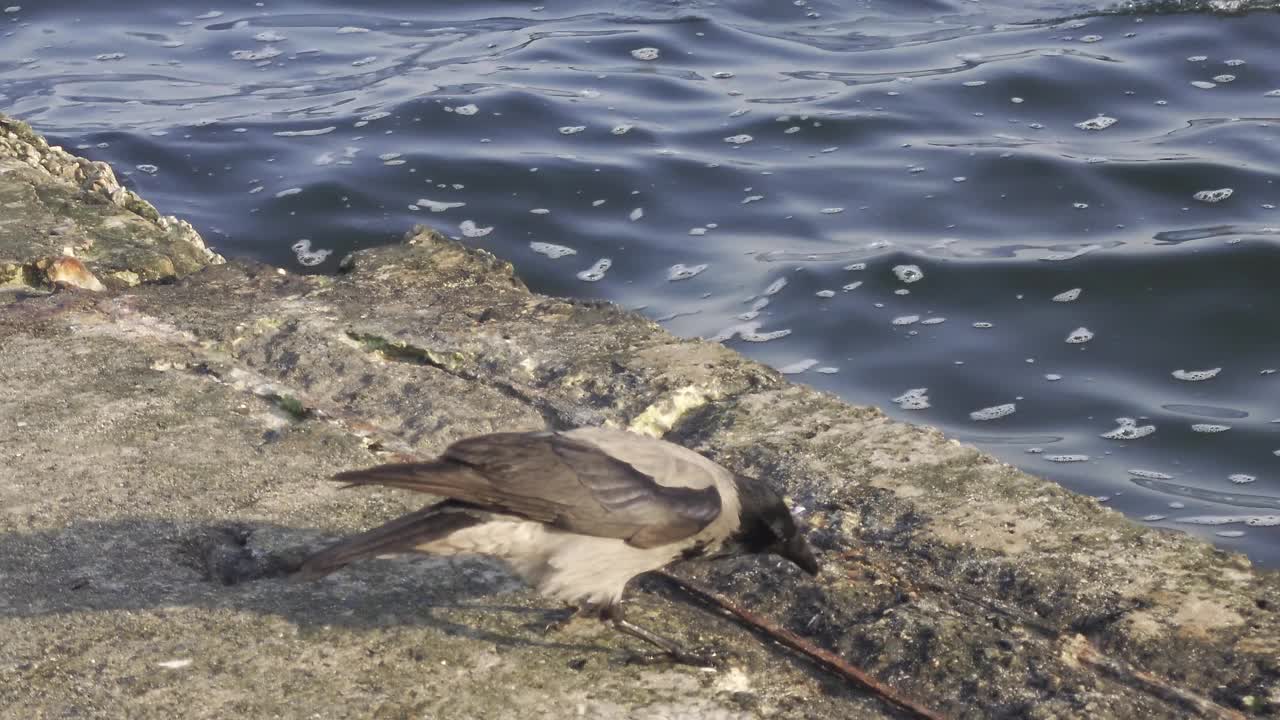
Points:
(767, 526)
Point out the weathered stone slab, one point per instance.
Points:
(163, 455)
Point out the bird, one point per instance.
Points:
(577, 514)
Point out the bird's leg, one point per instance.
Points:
(613, 615)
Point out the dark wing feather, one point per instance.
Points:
(400, 535)
(568, 484)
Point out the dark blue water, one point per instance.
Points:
(820, 143)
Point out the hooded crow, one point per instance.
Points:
(576, 514)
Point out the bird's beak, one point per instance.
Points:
(798, 551)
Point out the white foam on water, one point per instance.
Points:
(680, 271)
(268, 36)
(1150, 474)
(551, 250)
(908, 273)
(984, 325)
(1204, 84)
(572, 129)
(906, 320)
(1197, 58)
(827, 370)
(933, 321)
(1230, 533)
(856, 266)
(148, 168)
(621, 129)
(994, 412)
(645, 53)
(1102, 122)
(1128, 429)
(1080, 335)
(851, 286)
(636, 214)
(1052, 377)
(1214, 196)
(1241, 478)
(1196, 375)
(351, 30)
(751, 198)
(471, 230)
(1224, 78)
(539, 211)
(913, 399)
(739, 139)
(596, 272)
(831, 210)
(776, 286)
(974, 83)
(438, 205)
(468, 109)
(1069, 296)
(288, 191)
(1067, 458)
(1210, 428)
(826, 293)
(307, 256)
(798, 366)
(306, 133)
(265, 53)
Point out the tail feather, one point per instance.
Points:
(400, 535)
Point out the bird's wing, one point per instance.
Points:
(558, 480)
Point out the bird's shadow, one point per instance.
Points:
(140, 564)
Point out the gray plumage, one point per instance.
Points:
(576, 514)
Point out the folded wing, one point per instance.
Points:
(566, 483)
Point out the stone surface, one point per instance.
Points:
(164, 449)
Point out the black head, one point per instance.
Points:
(768, 527)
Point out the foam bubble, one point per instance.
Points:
(994, 412)
(1224, 78)
(1069, 296)
(268, 36)
(908, 273)
(1102, 122)
(739, 139)
(831, 210)
(1128, 429)
(1066, 458)
(1153, 518)
(1052, 377)
(826, 293)
(307, 256)
(776, 286)
(856, 266)
(351, 30)
(984, 325)
(1150, 474)
(636, 214)
(913, 399)
(471, 230)
(1241, 478)
(552, 250)
(437, 205)
(265, 53)
(1213, 196)
(1210, 428)
(1196, 375)
(933, 321)
(851, 286)
(1204, 84)
(468, 109)
(1080, 335)
(645, 53)
(798, 366)
(572, 129)
(684, 272)
(827, 370)
(906, 320)
(289, 191)
(621, 129)
(148, 168)
(1197, 58)
(596, 272)
(306, 133)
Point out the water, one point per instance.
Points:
(1031, 224)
